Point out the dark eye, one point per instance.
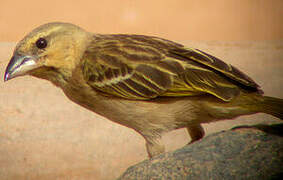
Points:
(41, 43)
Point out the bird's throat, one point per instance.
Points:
(58, 78)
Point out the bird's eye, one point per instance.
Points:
(41, 43)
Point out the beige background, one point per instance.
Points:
(43, 135)
(173, 19)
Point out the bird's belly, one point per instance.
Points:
(157, 115)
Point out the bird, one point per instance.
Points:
(149, 84)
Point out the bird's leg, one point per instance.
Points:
(196, 132)
(154, 146)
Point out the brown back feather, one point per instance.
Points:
(144, 67)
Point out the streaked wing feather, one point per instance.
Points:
(211, 83)
(124, 72)
(142, 67)
(216, 64)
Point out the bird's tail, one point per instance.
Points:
(272, 106)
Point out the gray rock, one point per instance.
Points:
(248, 152)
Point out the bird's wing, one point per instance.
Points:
(142, 67)
(209, 74)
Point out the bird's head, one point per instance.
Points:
(50, 50)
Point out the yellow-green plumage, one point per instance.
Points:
(149, 84)
(144, 67)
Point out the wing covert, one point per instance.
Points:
(117, 71)
(143, 67)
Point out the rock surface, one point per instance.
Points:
(241, 153)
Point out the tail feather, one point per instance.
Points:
(272, 106)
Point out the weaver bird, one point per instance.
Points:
(146, 83)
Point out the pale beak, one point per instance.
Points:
(19, 66)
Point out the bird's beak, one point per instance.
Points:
(19, 65)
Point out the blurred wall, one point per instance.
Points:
(173, 19)
(45, 136)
